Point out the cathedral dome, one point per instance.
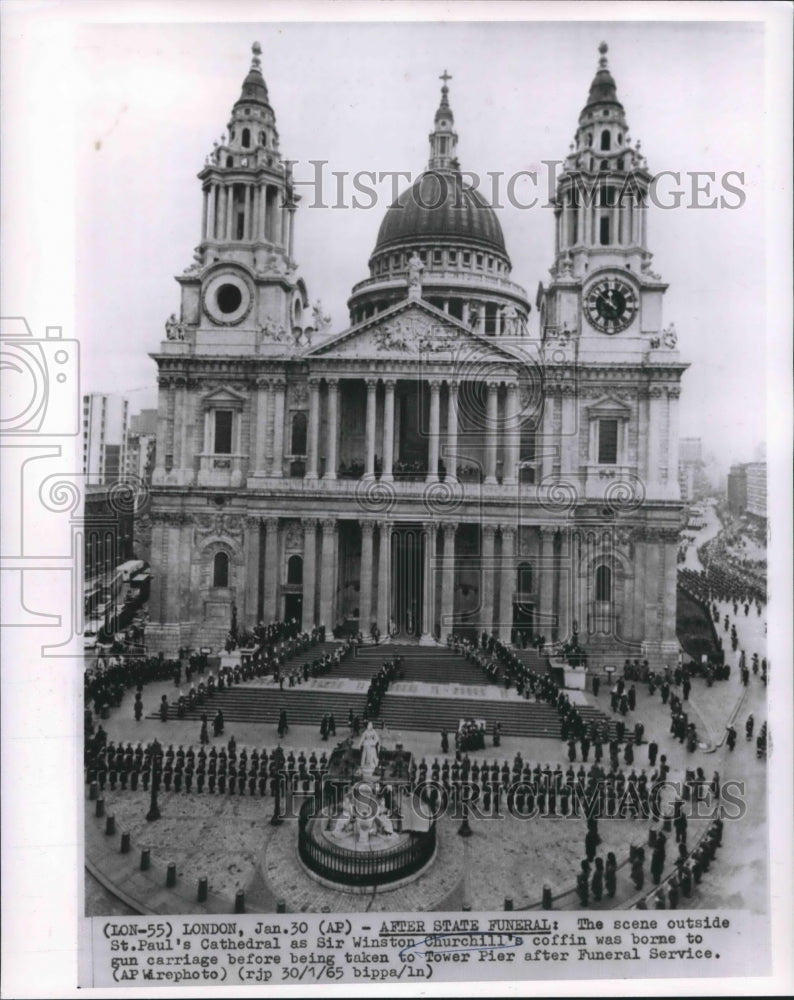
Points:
(439, 207)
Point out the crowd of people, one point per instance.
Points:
(392, 669)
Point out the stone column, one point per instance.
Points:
(328, 577)
(654, 439)
(365, 578)
(487, 577)
(506, 582)
(313, 429)
(673, 486)
(180, 423)
(211, 210)
(271, 570)
(545, 576)
(260, 436)
(205, 212)
(388, 431)
(251, 550)
(309, 572)
(513, 435)
(277, 468)
(429, 578)
(451, 459)
(333, 428)
(448, 580)
(369, 467)
(433, 430)
(163, 393)
(248, 213)
(491, 422)
(229, 213)
(384, 577)
(565, 587)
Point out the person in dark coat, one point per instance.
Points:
(204, 736)
(653, 750)
(610, 875)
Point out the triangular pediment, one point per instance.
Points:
(224, 396)
(608, 406)
(412, 329)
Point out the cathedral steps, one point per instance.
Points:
(306, 707)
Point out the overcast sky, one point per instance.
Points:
(150, 99)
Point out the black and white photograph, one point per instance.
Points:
(396, 447)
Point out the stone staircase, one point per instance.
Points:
(306, 705)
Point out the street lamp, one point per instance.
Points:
(157, 765)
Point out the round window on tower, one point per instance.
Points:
(227, 298)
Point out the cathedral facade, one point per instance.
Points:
(433, 467)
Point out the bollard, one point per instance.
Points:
(125, 843)
(281, 906)
(202, 890)
(239, 901)
(170, 876)
(466, 907)
(93, 791)
(110, 826)
(546, 897)
(146, 859)
(508, 903)
(99, 808)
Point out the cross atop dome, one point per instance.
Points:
(443, 140)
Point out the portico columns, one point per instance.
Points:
(513, 436)
(506, 583)
(452, 431)
(260, 437)
(314, 428)
(309, 572)
(271, 570)
(328, 578)
(384, 577)
(448, 580)
(333, 429)
(388, 431)
(545, 575)
(486, 594)
(428, 602)
(491, 422)
(369, 468)
(251, 596)
(435, 416)
(365, 578)
(277, 469)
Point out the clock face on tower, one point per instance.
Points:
(610, 304)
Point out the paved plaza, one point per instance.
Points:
(229, 840)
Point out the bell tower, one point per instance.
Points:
(602, 284)
(241, 277)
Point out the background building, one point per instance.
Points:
(431, 468)
(105, 426)
(141, 443)
(755, 473)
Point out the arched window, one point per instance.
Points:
(524, 580)
(220, 570)
(247, 139)
(605, 139)
(229, 161)
(603, 583)
(262, 139)
(299, 433)
(295, 569)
